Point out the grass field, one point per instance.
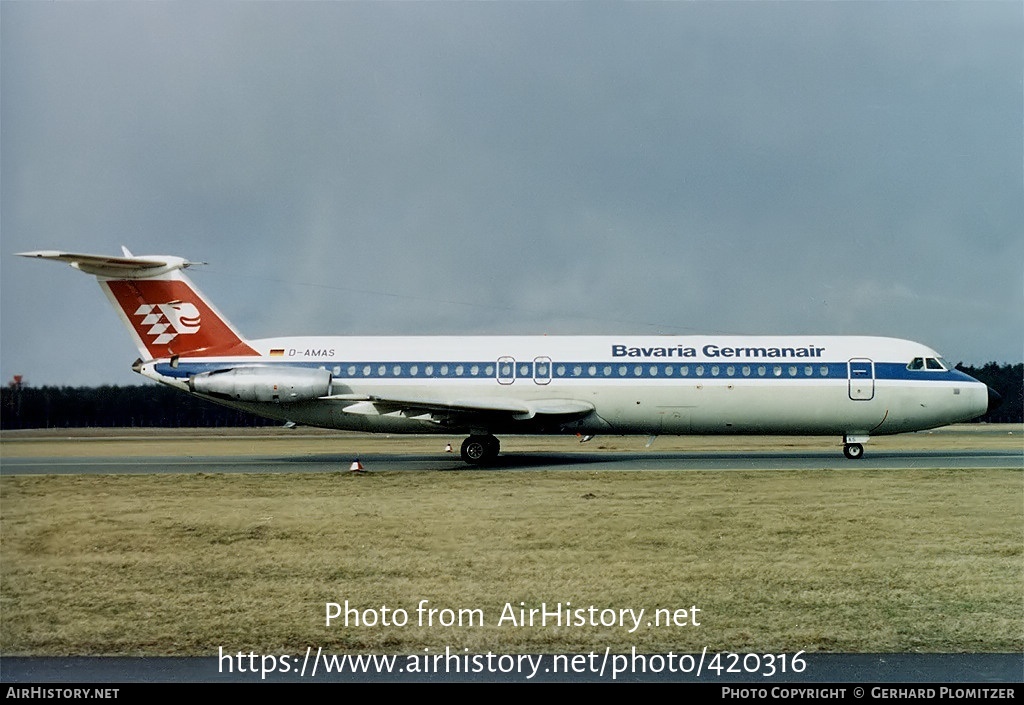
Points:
(848, 561)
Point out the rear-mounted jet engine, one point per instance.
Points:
(255, 383)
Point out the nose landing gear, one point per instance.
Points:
(853, 446)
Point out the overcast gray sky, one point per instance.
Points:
(451, 168)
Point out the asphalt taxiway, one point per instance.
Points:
(820, 668)
(525, 461)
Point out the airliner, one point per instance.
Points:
(852, 387)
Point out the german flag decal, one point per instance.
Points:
(277, 352)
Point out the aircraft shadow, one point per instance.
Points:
(682, 460)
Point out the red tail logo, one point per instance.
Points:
(170, 318)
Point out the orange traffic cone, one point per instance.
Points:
(356, 466)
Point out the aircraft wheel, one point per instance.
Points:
(493, 447)
(480, 450)
(853, 451)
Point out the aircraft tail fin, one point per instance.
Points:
(161, 307)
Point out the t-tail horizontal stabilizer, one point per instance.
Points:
(127, 267)
(161, 307)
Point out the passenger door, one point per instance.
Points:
(861, 372)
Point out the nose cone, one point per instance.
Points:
(994, 400)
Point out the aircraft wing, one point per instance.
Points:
(440, 411)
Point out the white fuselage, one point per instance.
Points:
(712, 384)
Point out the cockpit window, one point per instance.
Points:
(927, 363)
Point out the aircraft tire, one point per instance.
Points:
(480, 450)
(493, 447)
(853, 451)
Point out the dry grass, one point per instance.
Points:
(852, 561)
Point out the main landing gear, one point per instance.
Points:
(480, 450)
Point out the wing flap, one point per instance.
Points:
(419, 407)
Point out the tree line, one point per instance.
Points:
(155, 406)
(149, 406)
(1008, 380)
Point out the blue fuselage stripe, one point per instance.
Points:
(595, 371)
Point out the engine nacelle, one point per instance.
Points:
(267, 383)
